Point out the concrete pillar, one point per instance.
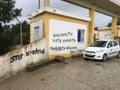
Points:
(43, 3)
(46, 3)
(114, 27)
(91, 26)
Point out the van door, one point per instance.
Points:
(115, 48)
(110, 51)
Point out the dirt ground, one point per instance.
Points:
(79, 74)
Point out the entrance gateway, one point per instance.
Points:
(44, 24)
(109, 7)
(65, 33)
(57, 24)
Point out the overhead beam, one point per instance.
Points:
(87, 5)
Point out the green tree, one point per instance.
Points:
(6, 42)
(25, 31)
(118, 21)
(110, 24)
(7, 13)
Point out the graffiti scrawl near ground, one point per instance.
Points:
(28, 53)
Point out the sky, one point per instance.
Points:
(30, 6)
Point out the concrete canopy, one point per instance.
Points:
(108, 7)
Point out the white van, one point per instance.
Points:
(102, 49)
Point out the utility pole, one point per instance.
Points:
(21, 39)
(38, 4)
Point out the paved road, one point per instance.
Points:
(77, 75)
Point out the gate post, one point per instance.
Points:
(46, 3)
(91, 26)
(114, 26)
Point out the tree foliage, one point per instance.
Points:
(8, 11)
(25, 32)
(10, 36)
(110, 24)
(6, 40)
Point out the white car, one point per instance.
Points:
(102, 49)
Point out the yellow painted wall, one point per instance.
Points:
(91, 25)
(105, 30)
(118, 31)
(109, 29)
(47, 15)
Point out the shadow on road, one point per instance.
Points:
(38, 66)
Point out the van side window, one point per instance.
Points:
(115, 43)
(110, 44)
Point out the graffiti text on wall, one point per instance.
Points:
(77, 51)
(61, 37)
(72, 49)
(67, 34)
(28, 53)
(61, 48)
(66, 37)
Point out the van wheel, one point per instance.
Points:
(104, 57)
(85, 58)
(118, 54)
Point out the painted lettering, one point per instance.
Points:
(69, 40)
(32, 52)
(70, 47)
(16, 57)
(57, 48)
(62, 34)
(57, 40)
(36, 51)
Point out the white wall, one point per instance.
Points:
(37, 30)
(105, 35)
(63, 37)
(17, 60)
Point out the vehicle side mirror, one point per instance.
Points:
(108, 46)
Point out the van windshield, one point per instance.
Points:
(98, 44)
